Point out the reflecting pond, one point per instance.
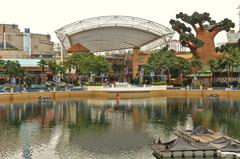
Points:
(106, 129)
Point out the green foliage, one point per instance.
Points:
(229, 47)
(85, 64)
(230, 57)
(12, 68)
(196, 18)
(42, 64)
(196, 63)
(55, 68)
(93, 84)
(117, 67)
(160, 83)
(177, 25)
(135, 81)
(227, 62)
(168, 63)
(185, 34)
(213, 63)
(225, 24)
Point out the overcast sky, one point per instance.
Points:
(46, 16)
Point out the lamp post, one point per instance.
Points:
(102, 76)
(152, 74)
(141, 73)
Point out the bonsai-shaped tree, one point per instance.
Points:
(201, 44)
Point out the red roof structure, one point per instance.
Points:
(78, 48)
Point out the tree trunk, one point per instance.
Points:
(207, 50)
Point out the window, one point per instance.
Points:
(141, 58)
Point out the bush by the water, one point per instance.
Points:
(160, 83)
(93, 84)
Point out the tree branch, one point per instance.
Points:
(201, 26)
(179, 31)
(190, 44)
(216, 30)
(195, 28)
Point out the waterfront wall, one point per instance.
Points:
(123, 95)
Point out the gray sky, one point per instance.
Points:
(46, 16)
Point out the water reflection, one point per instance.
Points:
(107, 128)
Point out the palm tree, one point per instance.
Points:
(213, 64)
(228, 61)
(42, 63)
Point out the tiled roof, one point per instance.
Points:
(78, 48)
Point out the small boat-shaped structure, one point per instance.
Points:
(199, 134)
(201, 142)
(182, 148)
(44, 99)
(213, 96)
(227, 148)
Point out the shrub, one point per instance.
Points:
(160, 83)
(135, 81)
(93, 84)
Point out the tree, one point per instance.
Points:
(2, 63)
(54, 67)
(13, 69)
(100, 65)
(228, 62)
(230, 47)
(230, 58)
(118, 68)
(213, 64)
(68, 65)
(195, 63)
(42, 63)
(87, 64)
(168, 63)
(202, 44)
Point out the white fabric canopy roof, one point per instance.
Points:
(108, 33)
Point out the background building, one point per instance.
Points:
(11, 38)
(233, 36)
(115, 33)
(28, 49)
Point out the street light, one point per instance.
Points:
(141, 73)
(102, 76)
(152, 74)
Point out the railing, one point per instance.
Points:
(202, 88)
(123, 86)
